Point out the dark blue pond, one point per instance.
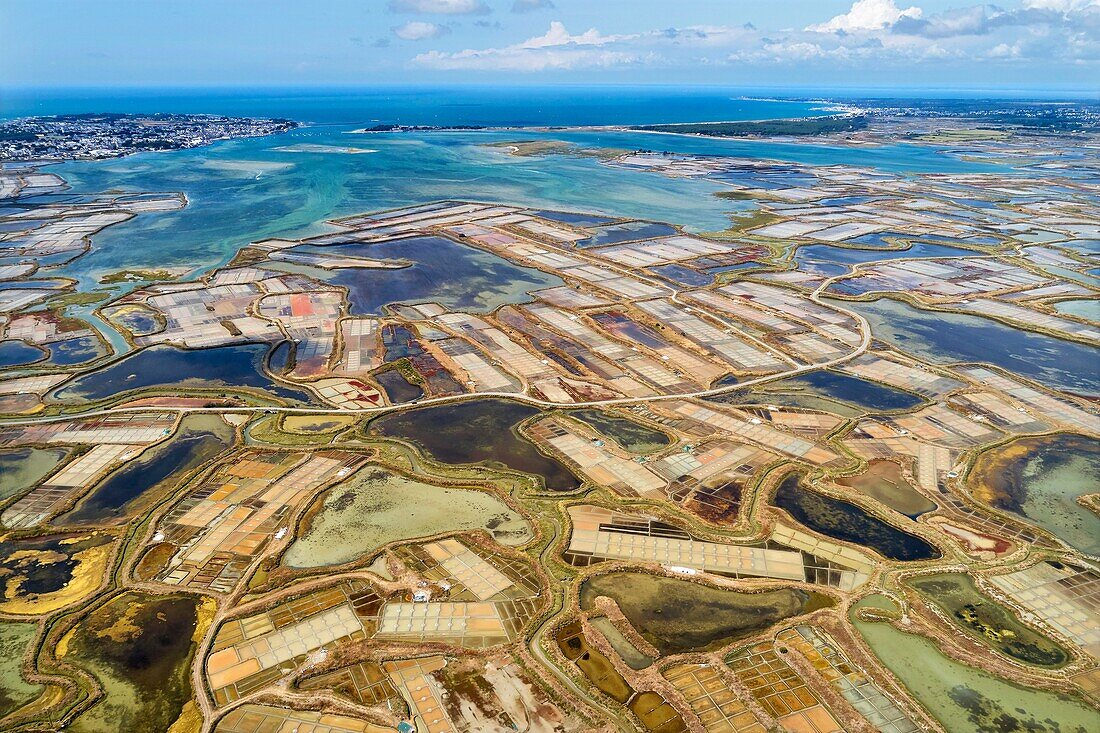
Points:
(878, 239)
(14, 352)
(398, 389)
(186, 451)
(849, 523)
(75, 350)
(453, 274)
(54, 284)
(829, 260)
(626, 232)
(682, 275)
(859, 392)
(943, 338)
(166, 366)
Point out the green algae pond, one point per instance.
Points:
(15, 691)
(964, 699)
(680, 615)
(24, 467)
(631, 435)
(988, 621)
(595, 666)
(139, 646)
(376, 507)
(845, 521)
(476, 431)
(1040, 479)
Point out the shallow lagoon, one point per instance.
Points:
(847, 522)
(964, 699)
(1040, 479)
(1089, 309)
(76, 350)
(39, 574)
(377, 507)
(830, 260)
(883, 480)
(477, 431)
(634, 657)
(398, 389)
(949, 337)
(14, 352)
(680, 615)
(223, 367)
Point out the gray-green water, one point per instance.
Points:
(376, 507)
(967, 700)
(21, 468)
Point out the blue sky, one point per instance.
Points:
(1018, 44)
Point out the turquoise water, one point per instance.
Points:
(1089, 309)
(244, 190)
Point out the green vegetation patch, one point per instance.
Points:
(765, 128)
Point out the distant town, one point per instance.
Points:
(95, 136)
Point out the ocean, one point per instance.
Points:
(475, 105)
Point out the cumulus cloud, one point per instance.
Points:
(557, 35)
(878, 33)
(440, 7)
(1062, 6)
(867, 15)
(527, 6)
(555, 49)
(416, 30)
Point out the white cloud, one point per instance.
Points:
(526, 6)
(866, 15)
(1061, 6)
(1004, 51)
(558, 36)
(872, 34)
(416, 30)
(555, 49)
(530, 61)
(440, 7)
